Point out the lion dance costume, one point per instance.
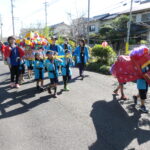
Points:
(133, 67)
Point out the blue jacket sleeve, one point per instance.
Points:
(75, 53)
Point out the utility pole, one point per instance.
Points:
(88, 29)
(129, 27)
(1, 27)
(45, 4)
(12, 13)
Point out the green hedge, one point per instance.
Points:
(105, 69)
(102, 59)
(93, 66)
(105, 55)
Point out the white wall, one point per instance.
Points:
(62, 30)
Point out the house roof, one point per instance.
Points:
(58, 24)
(137, 9)
(99, 17)
(111, 16)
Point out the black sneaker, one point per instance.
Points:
(143, 109)
(42, 89)
(135, 99)
(55, 96)
(49, 90)
(38, 87)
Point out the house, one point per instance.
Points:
(141, 17)
(61, 29)
(95, 23)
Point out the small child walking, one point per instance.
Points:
(29, 62)
(39, 71)
(52, 64)
(120, 87)
(142, 87)
(66, 69)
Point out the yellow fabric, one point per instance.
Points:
(146, 64)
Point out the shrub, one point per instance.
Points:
(93, 66)
(72, 43)
(60, 41)
(105, 69)
(105, 55)
(143, 42)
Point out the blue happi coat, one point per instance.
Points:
(39, 69)
(52, 68)
(68, 47)
(56, 48)
(77, 53)
(66, 66)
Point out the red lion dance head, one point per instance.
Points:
(133, 67)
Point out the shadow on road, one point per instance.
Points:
(9, 99)
(114, 128)
(4, 74)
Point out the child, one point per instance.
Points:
(29, 62)
(13, 53)
(120, 87)
(143, 89)
(21, 70)
(66, 45)
(39, 71)
(82, 56)
(52, 64)
(66, 70)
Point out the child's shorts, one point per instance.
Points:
(143, 94)
(54, 80)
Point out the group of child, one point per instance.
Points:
(52, 65)
(57, 59)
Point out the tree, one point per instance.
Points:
(47, 32)
(116, 32)
(78, 26)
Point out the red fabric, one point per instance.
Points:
(7, 52)
(139, 62)
(128, 69)
(3, 48)
(125, 70)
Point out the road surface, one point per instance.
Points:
(86, 118)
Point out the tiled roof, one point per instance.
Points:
(55, 25)
(111, 16)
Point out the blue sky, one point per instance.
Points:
(31, 12)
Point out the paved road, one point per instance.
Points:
(86, 118)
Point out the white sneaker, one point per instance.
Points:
(17, 86)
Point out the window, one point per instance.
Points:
(134, 18)
(146, 17)
(92, 28)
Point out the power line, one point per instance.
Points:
(117, 5)
(39, 10)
